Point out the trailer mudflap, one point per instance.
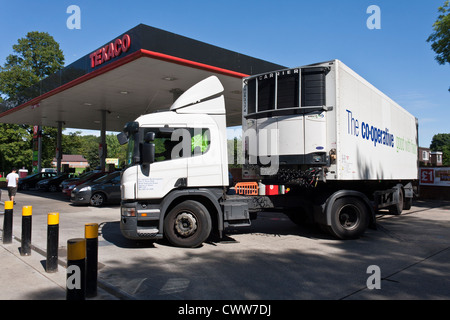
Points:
(386, 198)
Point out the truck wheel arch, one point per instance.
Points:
(188, 224)
(207, 197)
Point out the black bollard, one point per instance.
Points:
(76, 269)
(8, 222)
(25, 249)
(52, 242)
(91, 235)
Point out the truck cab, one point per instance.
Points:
(176, 168)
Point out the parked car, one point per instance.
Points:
(53, 183)
(30, 181)
(63, 185)
(92, 175)
(99, 191)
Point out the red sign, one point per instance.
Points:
(426, 176)
(110, 51)
(35, 131)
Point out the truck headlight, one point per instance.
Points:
(128, 212)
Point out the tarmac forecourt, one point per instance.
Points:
(406, 258)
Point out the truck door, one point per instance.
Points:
(170, 167)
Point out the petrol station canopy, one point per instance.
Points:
(141, 71)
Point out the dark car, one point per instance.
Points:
(29, 182)
(52, 184)
(89, 176)
(98, 192)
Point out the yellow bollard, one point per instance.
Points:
(25, 249)
(52, 242)
(8, 222)
(91, 235)
(76, 269)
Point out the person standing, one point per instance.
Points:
(12, 180)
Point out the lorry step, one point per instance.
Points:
(147, 232)
(238, 223)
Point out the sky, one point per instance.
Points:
(395, 58)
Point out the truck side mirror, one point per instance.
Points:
(122, 138)
(148, 153)
(149, 137)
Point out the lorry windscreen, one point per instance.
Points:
(162, 141)
(170, 143)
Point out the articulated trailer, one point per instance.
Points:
(342, 147)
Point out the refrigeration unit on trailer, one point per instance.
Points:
(343, 148)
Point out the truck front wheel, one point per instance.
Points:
(188, 224)
(350, 218)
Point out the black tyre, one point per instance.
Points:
(407, 203)
(350, 218)
(53, 188)
(188, 224)
(97, 199)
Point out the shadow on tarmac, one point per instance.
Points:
(412, 252)
(110, 231)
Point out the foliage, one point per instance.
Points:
(235, 147)
(15, 147)
(36, 56)
(441, 142)
(115, 150)
(89, 149)
(440, 38)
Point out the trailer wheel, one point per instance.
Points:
(350, 218)
(188, 224)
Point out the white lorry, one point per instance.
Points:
(343, 148)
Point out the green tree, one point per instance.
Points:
(15, 147)
(89, 149)
(115, 150)
(35, 57)
(440, 38)
(72, 143)
(441, 142)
